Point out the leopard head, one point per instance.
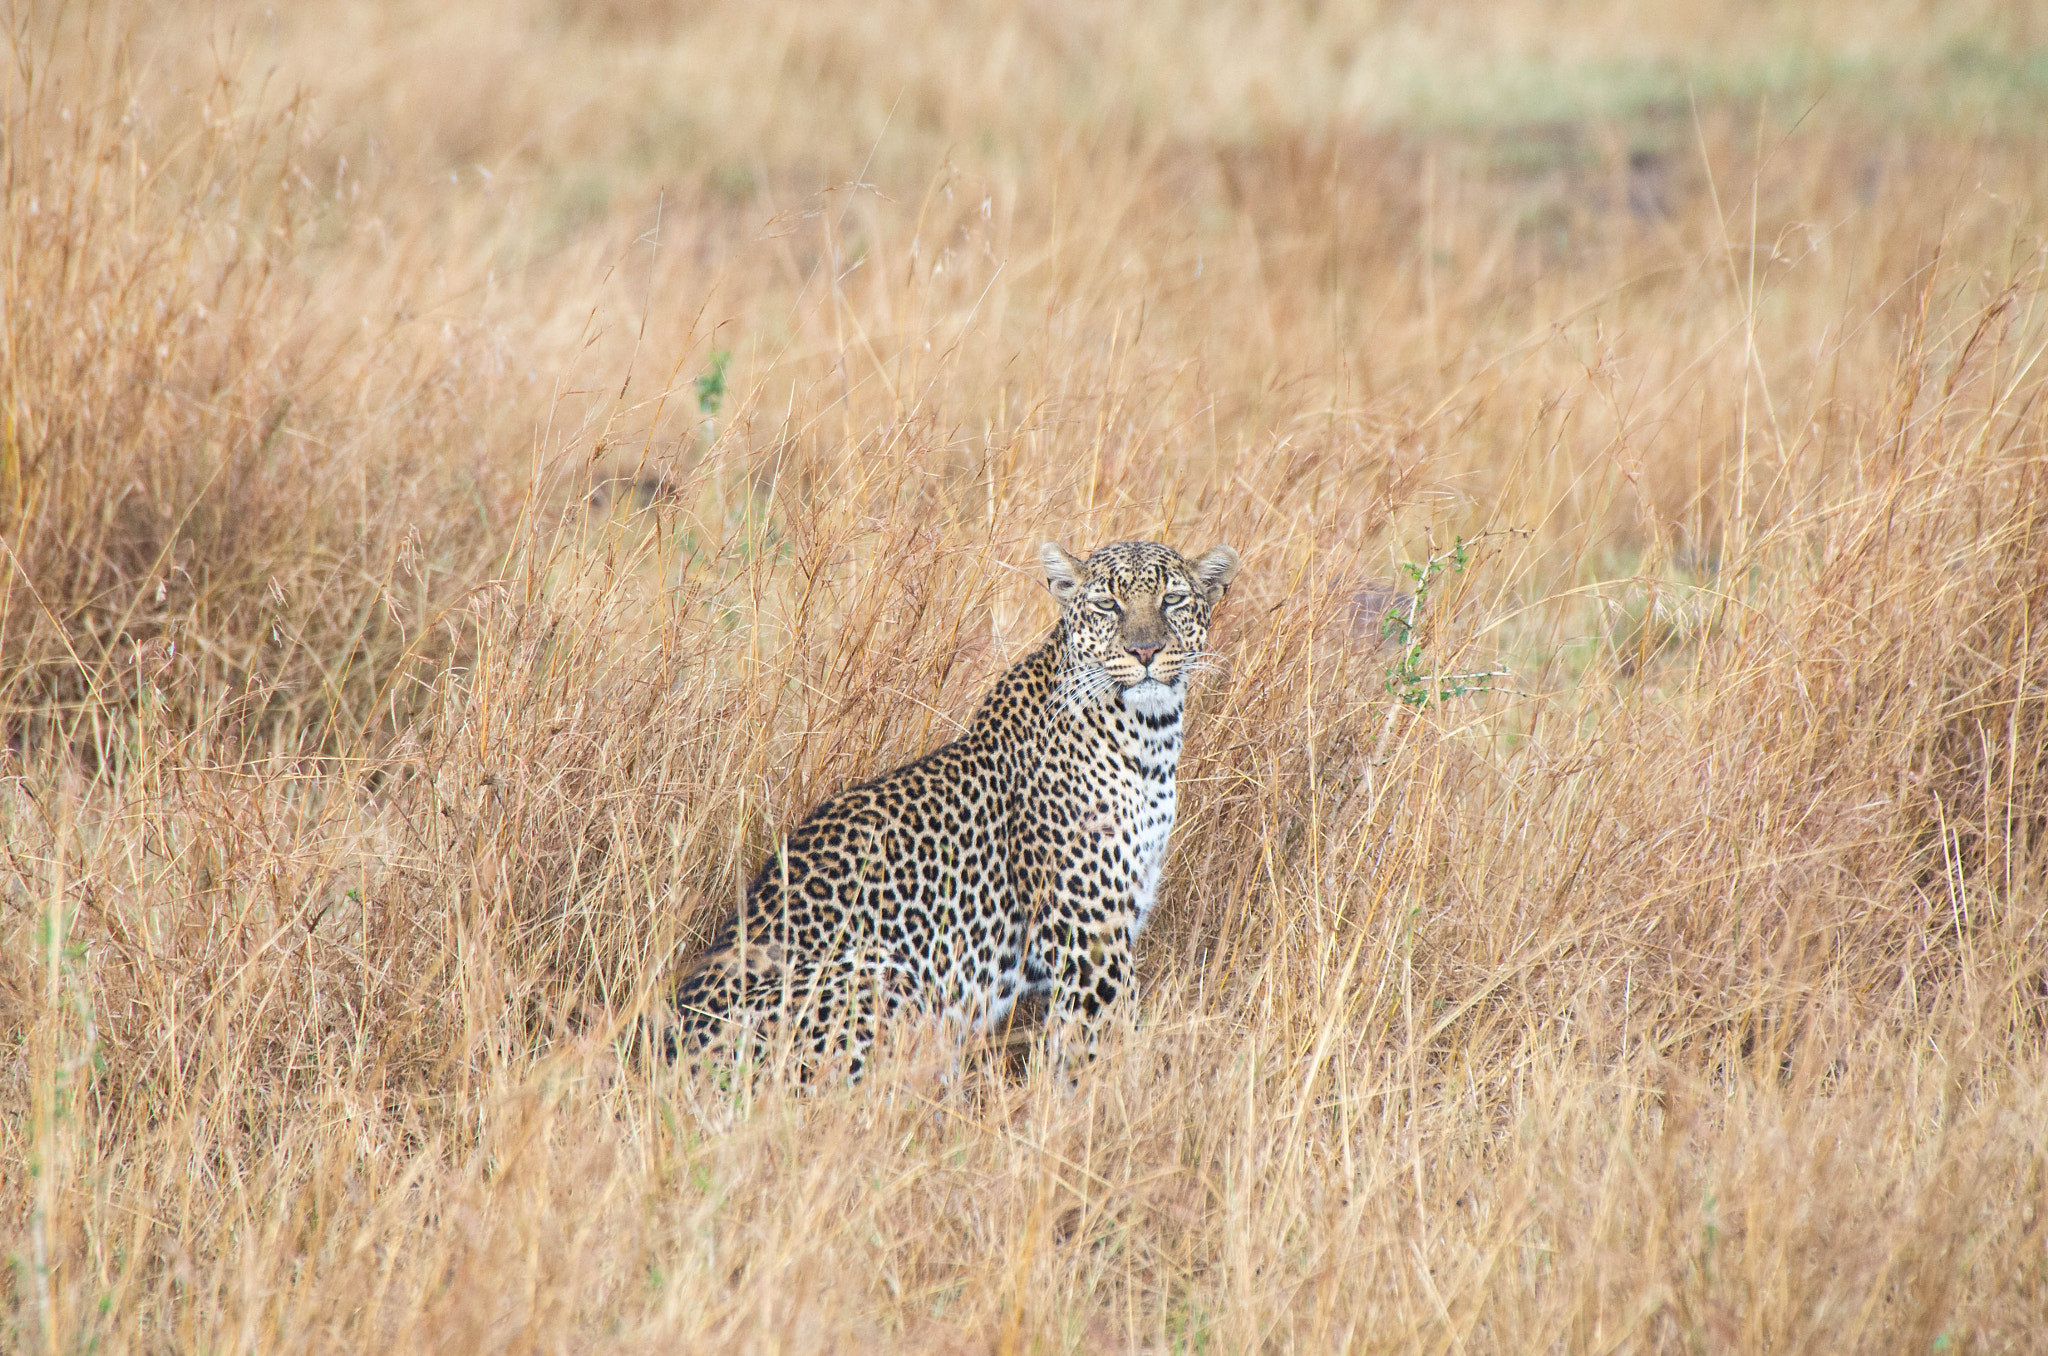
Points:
(1136, 618)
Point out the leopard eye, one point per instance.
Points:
(1107, 607)
(1174, 599)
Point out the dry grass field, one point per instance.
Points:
(472, 471)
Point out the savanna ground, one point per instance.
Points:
(471, 471)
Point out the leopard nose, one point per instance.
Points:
(1143, 654)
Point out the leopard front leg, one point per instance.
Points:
(852, 998)
(1089, 960)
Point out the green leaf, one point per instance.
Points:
(711, 382)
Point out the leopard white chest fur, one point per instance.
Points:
(1149, 738)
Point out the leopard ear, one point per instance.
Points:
(1063, 570)
(1215, 570)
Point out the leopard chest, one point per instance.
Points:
(1131, 807)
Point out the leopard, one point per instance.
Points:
(1016, 864)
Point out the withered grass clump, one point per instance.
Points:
(467, 481)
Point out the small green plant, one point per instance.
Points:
(1414, 676)
(710, 383)
(710, 388)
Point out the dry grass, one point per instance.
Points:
(401, 667)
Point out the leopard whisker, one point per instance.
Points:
(1077, 688)
(1090, 683)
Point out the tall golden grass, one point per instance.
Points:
(408, 651)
